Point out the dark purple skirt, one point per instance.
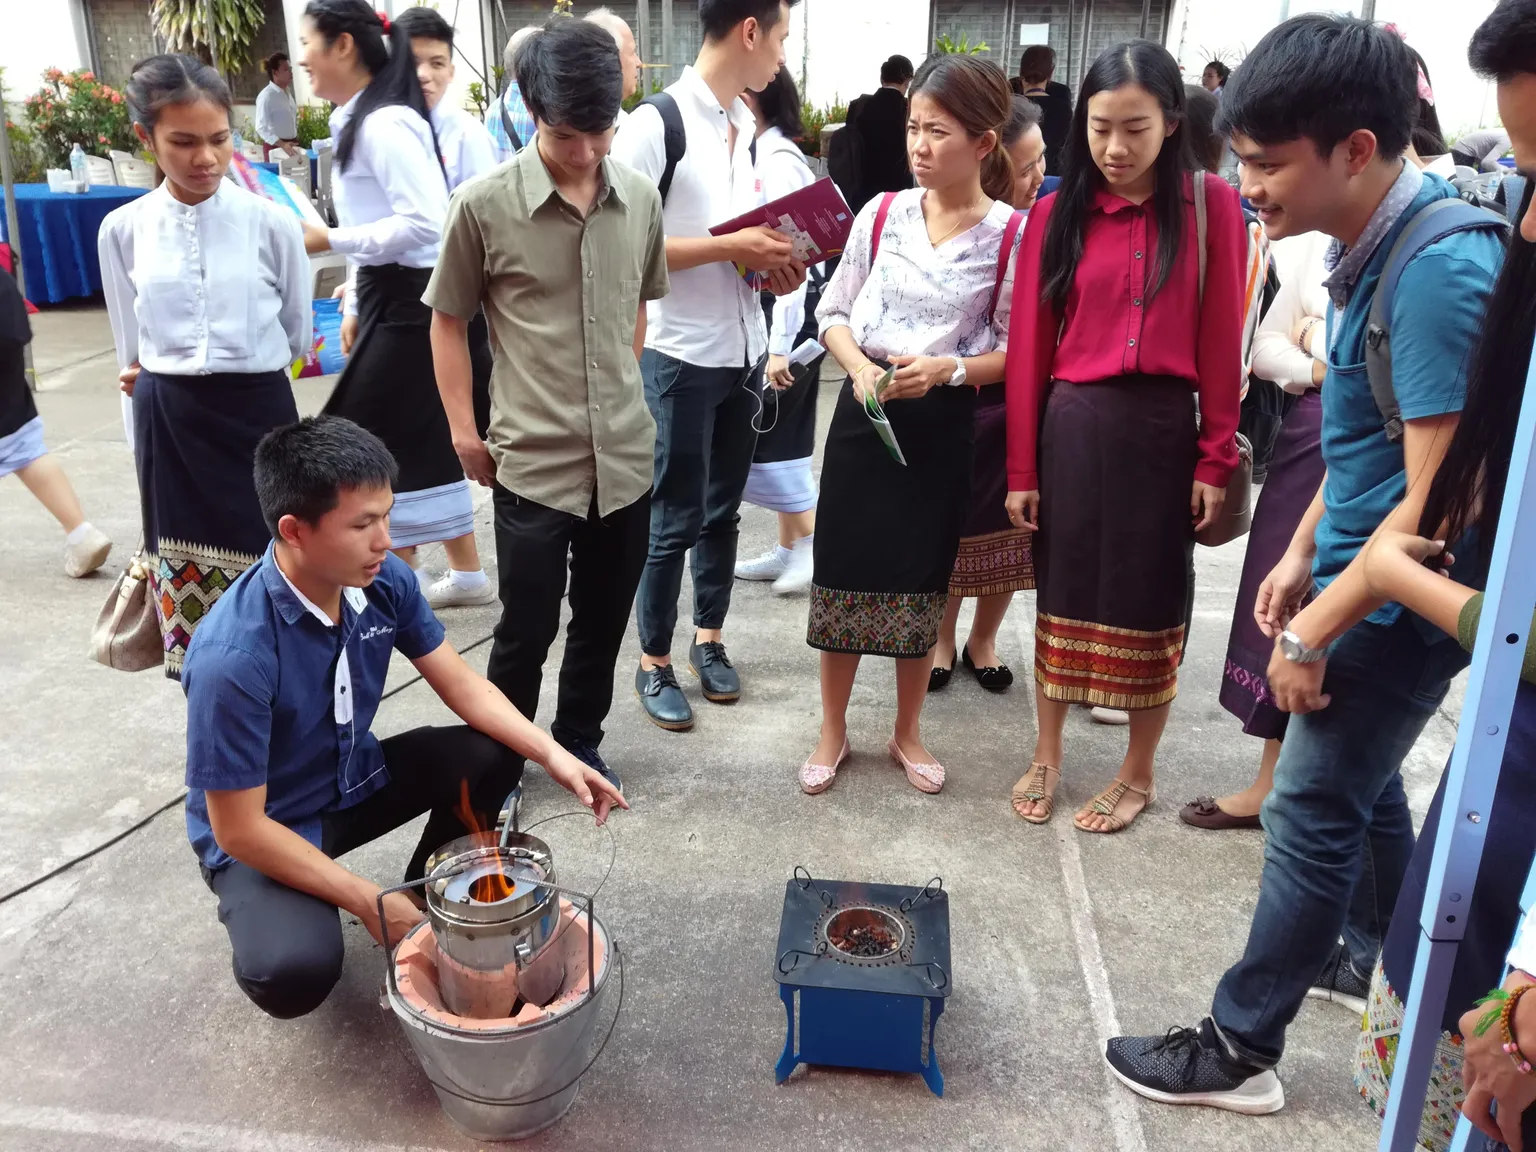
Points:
(1295, 471)
(994, 556)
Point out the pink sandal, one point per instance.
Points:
(817, 778)
(924, 777)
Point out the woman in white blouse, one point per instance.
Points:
(208, 291)
(780, 479)
(1290, 348)
(391, 199)
(924, 287)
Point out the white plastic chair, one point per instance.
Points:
(99, 170)
(296, 168)
(252, 150)
(322, 191)
(132, 172)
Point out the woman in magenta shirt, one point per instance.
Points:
(1113, 347)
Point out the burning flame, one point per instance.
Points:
(493, 886)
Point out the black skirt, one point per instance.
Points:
(886, 534)
(389, 386)
(194, 444)
(787, 427)
(1117, 464)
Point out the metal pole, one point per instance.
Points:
(1146, 15)
(643, 32)
(1087, 57)
(1367, 9)
(1067, 66)
(13, 230)
(666, 37)
(1473, 779)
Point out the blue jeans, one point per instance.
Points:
(1338, 832)
(704, 443)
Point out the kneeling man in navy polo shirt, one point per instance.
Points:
(283, 680)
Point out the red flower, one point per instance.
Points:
(87, 75)
(117, 97)
(103, 139)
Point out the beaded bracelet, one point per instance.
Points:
(1506, 1014)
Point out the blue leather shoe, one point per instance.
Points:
(708, 661)
(664, 702)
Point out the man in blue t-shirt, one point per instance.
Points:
(1320, 115)
(283, 680)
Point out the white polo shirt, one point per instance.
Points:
(711, 318)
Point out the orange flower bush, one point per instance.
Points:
(75, 108)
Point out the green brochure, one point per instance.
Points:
(877, 417)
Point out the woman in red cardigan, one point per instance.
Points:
(1111, 343)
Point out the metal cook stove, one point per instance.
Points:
(863, 970)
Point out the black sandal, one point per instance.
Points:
(998, 678)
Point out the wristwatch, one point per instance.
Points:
(1295, 649)
(958, 379)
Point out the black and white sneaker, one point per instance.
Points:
(1341, 983)
(1193, 1066)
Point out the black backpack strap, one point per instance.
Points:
(506, 122)
(1431, 224)
(674, 137)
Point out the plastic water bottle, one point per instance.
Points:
(79, 169)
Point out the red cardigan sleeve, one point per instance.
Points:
(1219, 346)
(1032, 331)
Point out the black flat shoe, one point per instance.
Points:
(939, 677)
(708, 661)
(664, 702)
(998, 678)
(589, 756)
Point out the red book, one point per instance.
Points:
(816, 219)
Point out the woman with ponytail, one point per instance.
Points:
(391, 200)
(1122, 330)
(924, 287)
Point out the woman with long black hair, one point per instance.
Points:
(1120, 322)
(1464, 504)
(391, 200)
(780, 479)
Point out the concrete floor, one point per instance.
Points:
(123, 1029)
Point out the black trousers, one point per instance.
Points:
(606, 556)
(287, 944)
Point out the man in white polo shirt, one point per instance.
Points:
(705, 341)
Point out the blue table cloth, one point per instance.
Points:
(58, 238)
(314, 175)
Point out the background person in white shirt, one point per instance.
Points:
(464, 143)
(391, 198)
(629, 55)
(277, 118)
(208, 291)
(781, 478)
(704, 342)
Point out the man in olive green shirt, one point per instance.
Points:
(562, 246)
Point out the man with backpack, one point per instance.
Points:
(704, 343)
(1320, 114)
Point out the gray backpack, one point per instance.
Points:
(1432, 223)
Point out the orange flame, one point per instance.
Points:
(495, 885)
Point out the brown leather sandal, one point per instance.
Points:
(1031, 789)
(1109, 804)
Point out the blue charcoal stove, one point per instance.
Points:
(863, 970)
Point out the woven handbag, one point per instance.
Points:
(127, 633)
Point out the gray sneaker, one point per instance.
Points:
(1192, 1066)
(1341, 983)
(87, 554)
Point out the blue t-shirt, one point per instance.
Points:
(270, 700)
(1437, 315)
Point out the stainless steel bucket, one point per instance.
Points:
(509, 1083)
(494, 951)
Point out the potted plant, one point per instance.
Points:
(75, 108)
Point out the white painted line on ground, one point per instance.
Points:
(1119, 1105)
(175, 1134)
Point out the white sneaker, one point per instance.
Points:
(797, 573)
(1111, 716)
(87, 554)
(446, 592)
(768, 566)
